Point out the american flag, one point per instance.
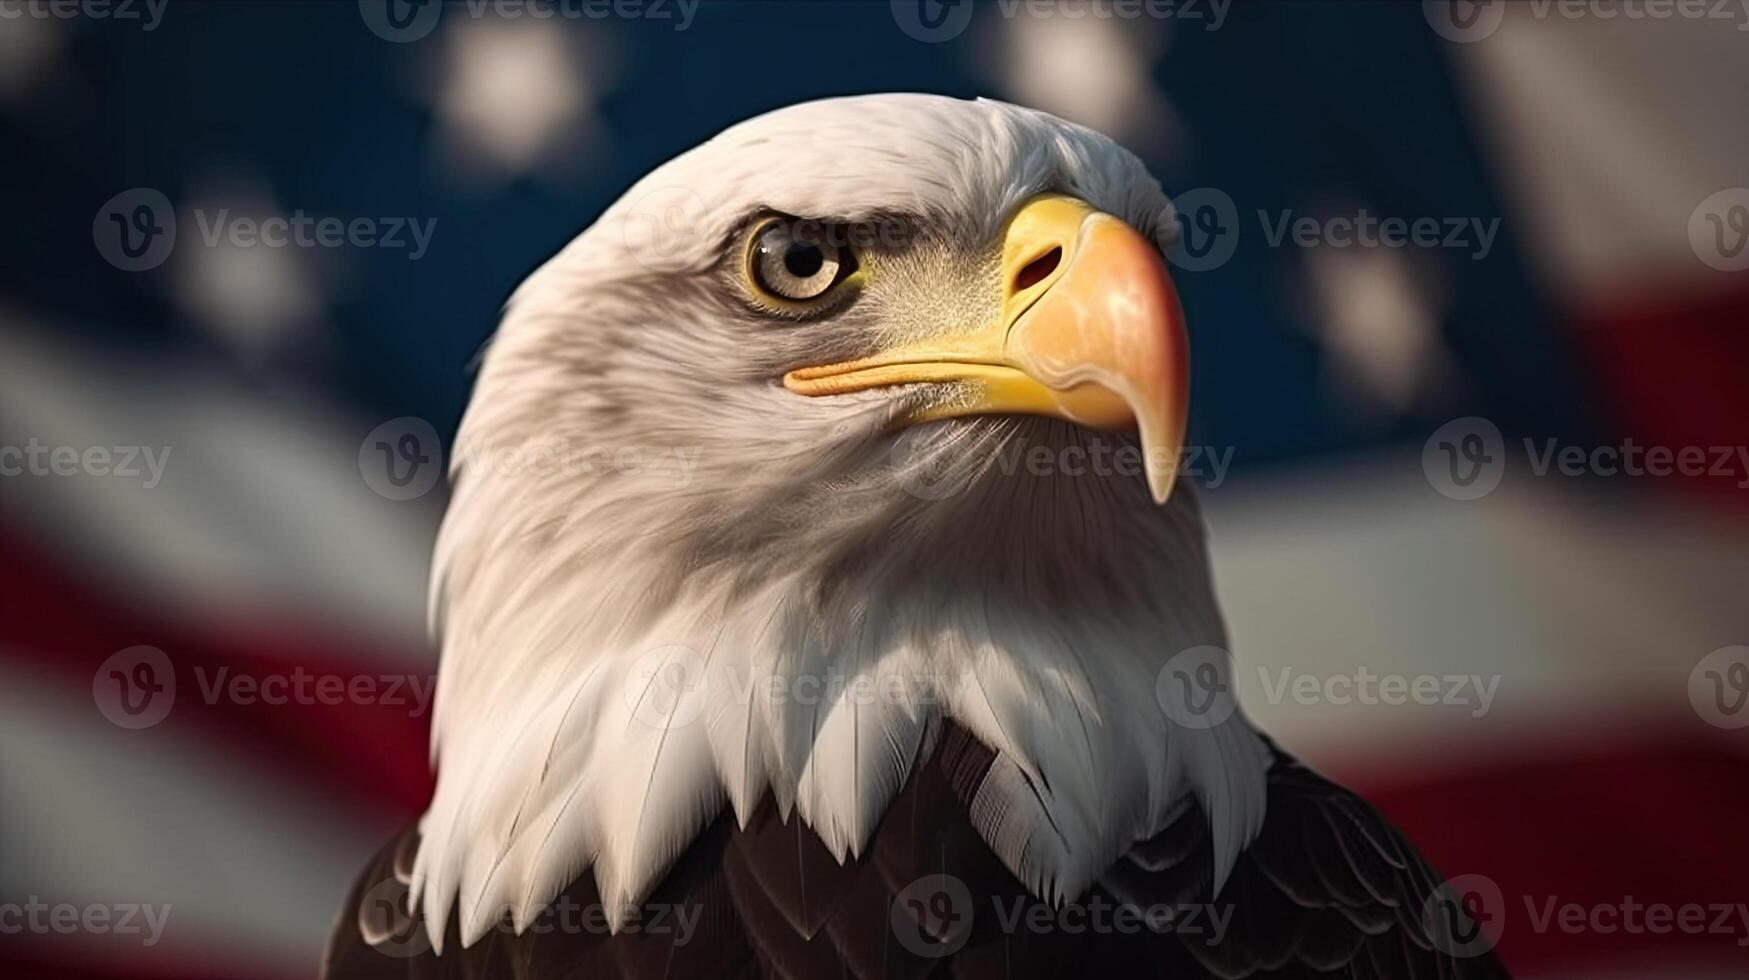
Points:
(215, 676)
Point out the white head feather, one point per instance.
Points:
(822, 616)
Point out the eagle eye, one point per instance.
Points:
(798, 261)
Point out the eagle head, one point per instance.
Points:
(860, 416)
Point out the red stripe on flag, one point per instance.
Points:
(62, 959)
(1658, 820)
(1672, 374)
(372, 752)
(1654, 820)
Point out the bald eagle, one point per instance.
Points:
(815, 600)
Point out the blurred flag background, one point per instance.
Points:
(1431, 252)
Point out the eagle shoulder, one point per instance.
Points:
(1328, 889)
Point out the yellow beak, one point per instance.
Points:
(1090, 331)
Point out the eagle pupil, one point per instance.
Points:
(803, 261)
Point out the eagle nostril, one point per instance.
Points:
(1035, 271)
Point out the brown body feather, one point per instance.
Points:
(1329, 889)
